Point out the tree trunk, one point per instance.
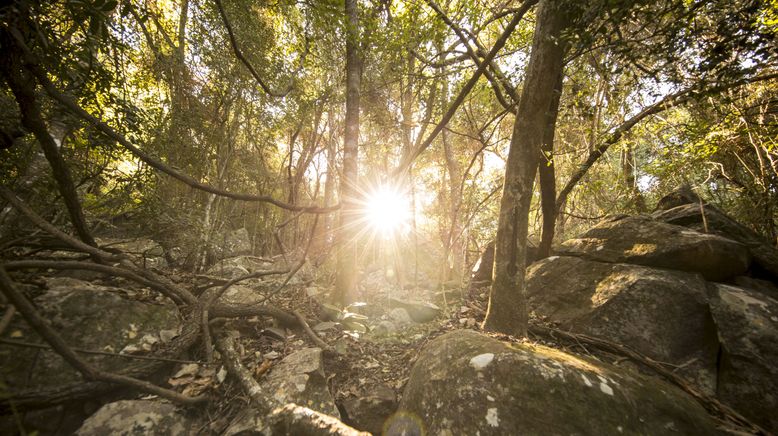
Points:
(507, 311)
(547, 174)
(23, 88)
(345, 280)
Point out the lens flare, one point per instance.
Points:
(387, 210)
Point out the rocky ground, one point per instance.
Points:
(661, 324)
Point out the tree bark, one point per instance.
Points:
(547, 174)
(345, 280)
(507, 311)
(22, 85)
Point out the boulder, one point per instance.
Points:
(419, 311)
(661, 313)
(300, 379)
(137, 417)
(370, 410)
(400, 317)
(482, 270)
(765, 256)
(237, 243)
(468, 383)
(87, 316)
(641, 240)
(747, 323)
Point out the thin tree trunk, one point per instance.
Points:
(23, 87)
(507, 311)
(547, 174)
(345, 280)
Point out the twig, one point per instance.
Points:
(97, 353)
(314, 337)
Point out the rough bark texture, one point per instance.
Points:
(507, 310)
(345, 281)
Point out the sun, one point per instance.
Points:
(387, 210)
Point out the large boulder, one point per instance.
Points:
(468, 383)
(138, 417)
(641, 240)
(419, 311)
(747, 323)
(87, 316)
(661, 313)
(371, 408)
(765, 256)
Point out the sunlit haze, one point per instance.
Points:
(387, 210)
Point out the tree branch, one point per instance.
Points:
(242, 58)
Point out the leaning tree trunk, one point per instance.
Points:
(507, 311)
(345, 280)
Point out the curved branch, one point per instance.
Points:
(668, 102)
(239, 55)
(105, 269)
(69, 103)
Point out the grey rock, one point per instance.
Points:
(765, 256)
(300, 379)
(641, 240)
(137, 417)
(370, 410)
(747, 323)
(419, 311)
(468, 383)
(400, 317)
(86, 316)
(663, 314)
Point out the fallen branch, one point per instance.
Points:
(105, 269)
(216, 295)
(231, 359)
(299, 420)
(311, 334)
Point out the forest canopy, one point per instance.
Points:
(407, 135)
